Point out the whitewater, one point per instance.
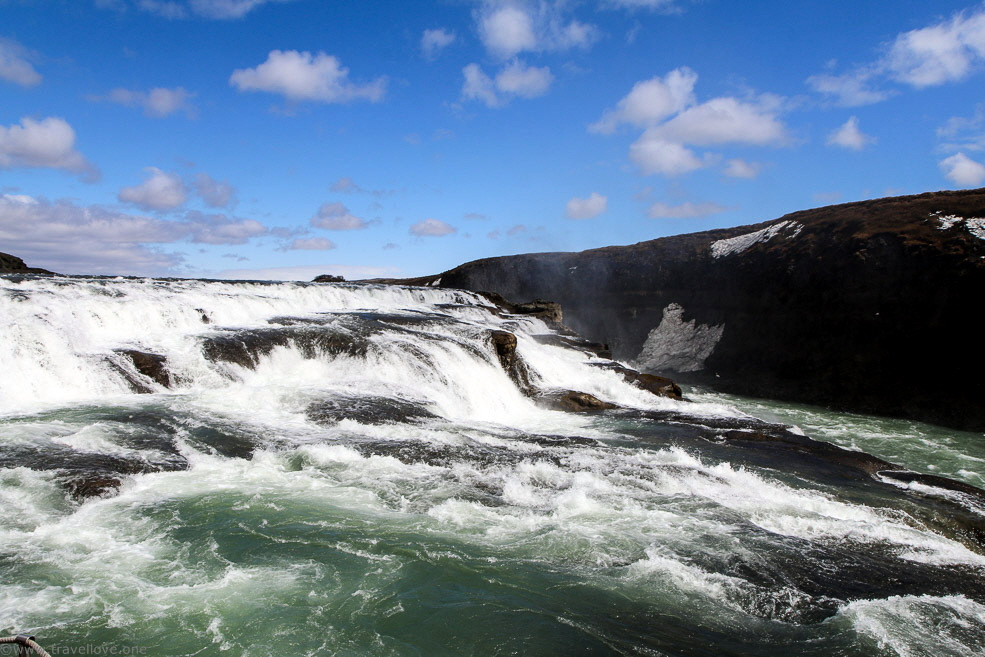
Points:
(350, 469)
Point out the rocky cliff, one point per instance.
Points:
(13, 265)
(870, 306)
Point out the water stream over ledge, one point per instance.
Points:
(348, 470)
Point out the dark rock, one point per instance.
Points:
(846, 306)
(367, 410)
(548, 311)
(153, 366)
(92, 485)
(206, 319)
(328, 278)
(246, 347)
(10, 264)
(660, 386)
(571, 400)
(575, 342)
(504, 343)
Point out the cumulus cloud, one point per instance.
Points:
(675, 122)
(312, 244)
(14, 64)
(515, 79)
(335, 216)
(508, 28)
(650, 101)
(739, 168)
(962, 170)
(78, 239)
(432, 228)
(434, 41)
(301, 76)
(948, 51)
(684, 210)
(177, 9)
(849, 89)
(655, 155)
(849, 136)
(586, 208)
(215, 193)
(159, 191)
(48, 143)
(158, 102)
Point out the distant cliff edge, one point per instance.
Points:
(870, 307)
(13, 265)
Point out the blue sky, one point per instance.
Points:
(286, 138)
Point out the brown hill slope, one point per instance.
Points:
(869, 306)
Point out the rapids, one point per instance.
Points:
(348, 469)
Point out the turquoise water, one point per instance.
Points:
(240, 522)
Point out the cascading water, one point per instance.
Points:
(195, 467)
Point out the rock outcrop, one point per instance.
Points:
(13, 265)
(869, 306)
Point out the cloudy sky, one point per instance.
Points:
(286, 138)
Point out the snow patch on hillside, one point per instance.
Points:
(739, 244)
(677, 345)
(974, 225)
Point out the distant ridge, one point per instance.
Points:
(869, 306)
(13, 265)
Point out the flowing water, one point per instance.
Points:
(345, 469)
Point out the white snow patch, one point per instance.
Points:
(676, 345)
(739, 244)
(974, 225)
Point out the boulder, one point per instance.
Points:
(328, 278)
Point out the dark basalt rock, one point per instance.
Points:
(571, 400)
(504, 343)
(246, 347)
(10, 264)
(867, 307)
(152, 366)
(328, 278)
(367, 410)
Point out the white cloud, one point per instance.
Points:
(653, 154)
(312, 244)
(177, 9)
(849, 89)
(160, 191)
(434, 41)
(308, 272)
(73, 239)
(215, 193)
(963, 171)
(965, 133)
(14, 64)
(526, 81)
(945, 52)
(432, 228)
(300, 76)
(586, 208)
(335, 216)
(849, 136)
(674, 122)
(684, 210)
(515, 79)
(725, 120)
(220, 229)
(48, 143)
(739, 168)
(158, 102)
(948, 51)
(510, 27)
(650, 101)
(506, 31)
